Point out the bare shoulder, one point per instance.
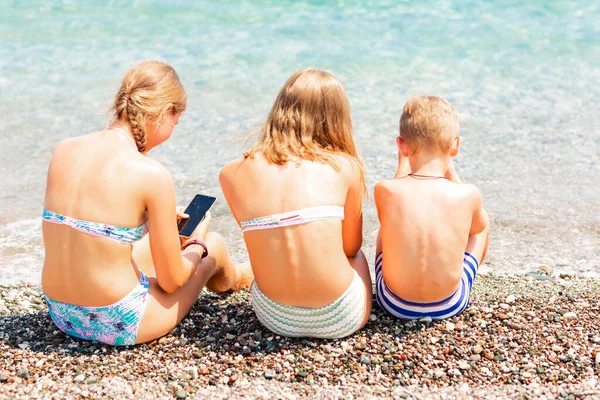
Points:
(349, 167)
(470, 193)
(385, 189)
(229, 170)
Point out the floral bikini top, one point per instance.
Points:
(116, 233)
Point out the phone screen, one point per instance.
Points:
(197, 209)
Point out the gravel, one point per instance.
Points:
(521, 337)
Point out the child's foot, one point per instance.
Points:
(245, 276)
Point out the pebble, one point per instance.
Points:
(361, 345)
(269, 374)
(438, 373)
(426, 320)
(475, 357)
(477, 349)
(23, 373)
(91, 380)
(510, 299)
(372, 317)
(365, 360)
(449, 326)
(597, 358)
(79, 378)
(181, 394)
(569, 316)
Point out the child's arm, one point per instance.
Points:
(353, 219)
(479, 221)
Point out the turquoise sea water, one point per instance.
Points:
(522, 75)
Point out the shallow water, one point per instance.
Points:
(523, 78)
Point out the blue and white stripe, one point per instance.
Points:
(449, 307)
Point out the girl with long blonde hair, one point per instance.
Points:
(297, 195)
(104, 279)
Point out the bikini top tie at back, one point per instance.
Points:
(116, 233)
(302, 216)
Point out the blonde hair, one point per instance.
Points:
(428, 123)
(310, 120)
(145, 91)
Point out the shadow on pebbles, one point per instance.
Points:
(529, 336)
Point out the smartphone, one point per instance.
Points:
(197, 210)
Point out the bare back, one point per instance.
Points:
(95, 178)
(425, 227)
(302, 265)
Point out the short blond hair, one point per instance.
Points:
(428, 123)
(145, 91)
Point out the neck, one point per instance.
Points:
(123, 126)
(429, 164)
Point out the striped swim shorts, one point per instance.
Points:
(449, 307)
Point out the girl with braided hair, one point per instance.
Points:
(107, 280)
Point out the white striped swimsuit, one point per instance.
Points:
(336, 320)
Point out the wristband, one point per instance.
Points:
(194, 241)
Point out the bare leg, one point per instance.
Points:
(403, 167)
(360, 265)
(163, 310)
(228, 276)
(477, 246)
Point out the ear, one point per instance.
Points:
(402, 147)
(455, 146)
(164, 112)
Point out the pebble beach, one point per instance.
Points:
(527, 336)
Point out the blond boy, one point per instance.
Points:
(434, 231)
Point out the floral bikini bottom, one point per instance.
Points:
(116, 324)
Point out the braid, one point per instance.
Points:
(137, 123)
(144, 93)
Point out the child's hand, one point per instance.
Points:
(451, 173)
(403, 166)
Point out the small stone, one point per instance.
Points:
(475, 357)
(510, 299)
(596, 339)
(504, 306)
(463, 365)
(79, 378)
(365, 360)
(290, 358)
(372, 317)
(514, 325)
(556, 348)
(526, 374)
(3, 378)
(23, 345)
(23, 373)
(233, 378)
(434, 340)
(570, 316)
(203, 371)
(229, 336)
(489, 355)
(438, 373)
(502, 316)
(449, 326)
(269, 374)
(499, 357)
(477, 349)
(458, 326)
(361, 345)
(425, 320)
(91, 380)
(456, 372)
(181, 394)
(542, 278)
(597, 358)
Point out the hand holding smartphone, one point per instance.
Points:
(196, 210)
